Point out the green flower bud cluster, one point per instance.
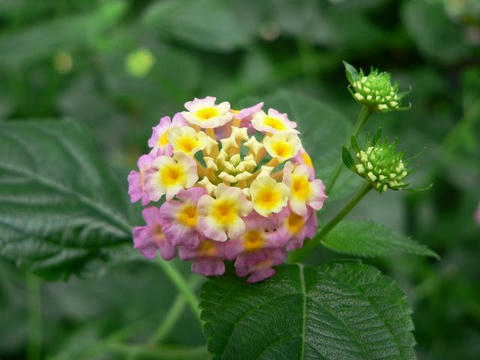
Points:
(374, 90)
(380, 163)
(382, 166)
(377, 91)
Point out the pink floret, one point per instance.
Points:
(207, 257)
(150, 238)
(259, 265)
(477, 215)
(176, 232)
(307, 232)
(136, 185)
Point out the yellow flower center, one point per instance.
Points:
(224, 211)
(274, 123)
(188, 215)
(283, 149)
(253, 240)
(207, 113)
(186, 144)
(295, 223)
(267, 198)
(172, 174)
(207, 248)
(163, 140)
(300, 187)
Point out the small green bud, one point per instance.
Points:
(380, 164)
(63, 62)
(139, 62)
(374, 90)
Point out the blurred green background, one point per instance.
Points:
(118, 66)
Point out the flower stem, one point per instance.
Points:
(300, 254)
(159, 352)
(365, 113)
(182, 286)
(35, 317)
(173, 314)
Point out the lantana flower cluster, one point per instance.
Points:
(221, 184)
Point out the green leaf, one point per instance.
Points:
(367, 238)
(343, 310)
(61, 210)
(323, 133)
(434, 34)
(354, 144)
(377, 136)
(350, 72)
(206, 24)
(42, 40)
(347, 158)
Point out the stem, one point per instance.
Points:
(34, 348)
(182, 286)
(173, 314)
(159, 352)
(300, 254)
(145, 351)
(365, 113)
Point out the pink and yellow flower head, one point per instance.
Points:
(303, 191)
(206, 114)
(169, 175)
(221, 216)
(159, 140)
(273, 122)
(236, 185)
(180, 216)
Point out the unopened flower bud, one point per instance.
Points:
(139, 62)
(380, 163)
(374, 90)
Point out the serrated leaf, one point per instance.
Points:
(367, 238)
(206, 24)
(61, 210)
(350, 72)
(347, 158)
(343, 310)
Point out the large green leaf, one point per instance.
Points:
(206, 24)
(323, 133)
(435, 35)
(343, 310)
(367, 238)
(41, 40)
(61, 210)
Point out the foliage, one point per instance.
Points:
(62, 210)
(63, 213)
(334, 311)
